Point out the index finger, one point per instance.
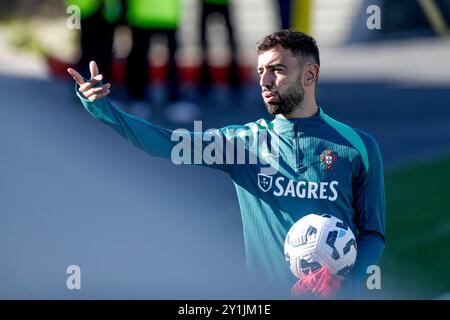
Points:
(76, 76)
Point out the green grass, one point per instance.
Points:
(416, 261)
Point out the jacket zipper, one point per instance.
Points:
(297, 149)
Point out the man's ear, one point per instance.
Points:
(311, 74)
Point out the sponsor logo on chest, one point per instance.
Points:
(283, 187)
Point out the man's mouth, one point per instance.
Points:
(269, 96)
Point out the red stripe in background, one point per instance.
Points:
(188, 74)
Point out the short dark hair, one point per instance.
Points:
(300, 44)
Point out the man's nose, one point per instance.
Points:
(266, 80)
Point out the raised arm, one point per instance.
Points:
(182, 146)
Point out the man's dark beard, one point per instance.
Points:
(287, 100)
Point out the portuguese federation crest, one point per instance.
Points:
(327, 159)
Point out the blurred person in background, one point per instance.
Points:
(284, 6)
(295, 14)
(222, 8)
(147, 18)
(99, 19)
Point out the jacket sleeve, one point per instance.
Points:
(369, 205)
(181, 146)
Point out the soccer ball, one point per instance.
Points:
(317, 241)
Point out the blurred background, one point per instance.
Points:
(73, 192)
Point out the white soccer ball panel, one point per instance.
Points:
(317, 241)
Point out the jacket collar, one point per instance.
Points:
(282, 125)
